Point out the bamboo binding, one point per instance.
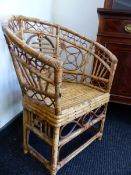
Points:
(65, 80)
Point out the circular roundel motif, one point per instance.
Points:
(72, 57)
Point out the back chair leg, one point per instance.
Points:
(53, 173)
(25, 131)
(55, 152)
(103, 123)
(101, 129)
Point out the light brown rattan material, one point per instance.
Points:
(65, 80)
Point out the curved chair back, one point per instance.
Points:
(45, 54)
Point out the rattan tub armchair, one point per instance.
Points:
(65, 80)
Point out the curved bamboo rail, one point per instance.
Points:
(65, 80)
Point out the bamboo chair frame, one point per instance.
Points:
(48, 58)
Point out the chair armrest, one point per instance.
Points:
(55, 63)
(112, 57)
(33, 79)
(103, 67)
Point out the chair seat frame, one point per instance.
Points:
(45, 55)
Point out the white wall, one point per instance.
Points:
(10, 94)
(79, 15)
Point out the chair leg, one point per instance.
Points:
(53, 173)
(103, 123)
(55, 153)
(25, 132)
(101, 129)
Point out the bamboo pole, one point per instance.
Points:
(55, 153)
(68, 101)
(25, 131)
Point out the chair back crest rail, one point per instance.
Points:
(46, 54)
(65, 80)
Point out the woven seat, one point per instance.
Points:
(81, 95)
(65, 80)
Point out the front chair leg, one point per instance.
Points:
(55, 151)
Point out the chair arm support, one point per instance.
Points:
(103, 67)
(110, 54)
(113, 65)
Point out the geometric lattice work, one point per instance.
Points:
(65, 80)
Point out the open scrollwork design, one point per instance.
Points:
(36, 26)
(81, 122)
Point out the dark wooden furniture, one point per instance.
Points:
(115, 33)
